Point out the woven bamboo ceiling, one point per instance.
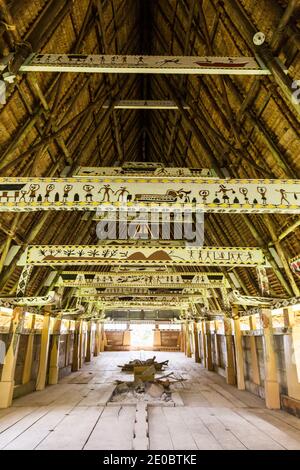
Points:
(245, 126)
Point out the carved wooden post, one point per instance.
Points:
(230, 368)
(76, 346)
(68, 345)
(238, 350)
(253, 352)
(97, 339)
(218, 362)
(196, 342)
(188, 350)
(43, 360)
(26, 376)
(54, 353)
(292, 353)
(102, 343)
(209, 361)
(8, 371)
(271, 373)
(203, 342)
(89, 340)
(82, 343)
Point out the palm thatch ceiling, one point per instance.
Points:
(245, 126)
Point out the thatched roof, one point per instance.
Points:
(244, 124)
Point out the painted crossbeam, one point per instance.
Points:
(51, 255)
(80, 63)
(50, 299)
(163, 305)
(144, 299)
(145, 170)
(139, 193)
(142, 279)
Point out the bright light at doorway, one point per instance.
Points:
(141, 335)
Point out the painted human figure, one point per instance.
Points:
(106, 192)
(283, 194)
(67, 189)
(22, 198)
(121, 194)
(263, 191)
(33, 188)
(184, 194)
(204, 194)
(224, 192)
(89, 196)
(49, 189)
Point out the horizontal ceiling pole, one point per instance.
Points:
(144, 104)
(141, 64)
(143, 280)
(196, 298)
(133, 304)
(145, 291)
(55, 255)
(128, 194)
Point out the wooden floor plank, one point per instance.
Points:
(247, 433)
(159, 435)
(15, 415)
(21, 426)
(205, 440)
(181, 437)
(39, 430)
(114, 430)
(73, 431)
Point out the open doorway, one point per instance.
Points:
(142, 336)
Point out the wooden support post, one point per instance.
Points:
(196, 343)
(239, 354)
(127, 336)
(292, 354)
(54, 353)
(218, 361)
(26, 376)
(76, 346)
(68, 346)
(188, 349)
(183, 328)
(82, 343)
(43, 359)
(203, 343)
(271, 373)
(97, 339)
(8, 371)
(89, 342)
(102, 341)
(209, 361)
(230, 366)
(253, 352)
(157, 337)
